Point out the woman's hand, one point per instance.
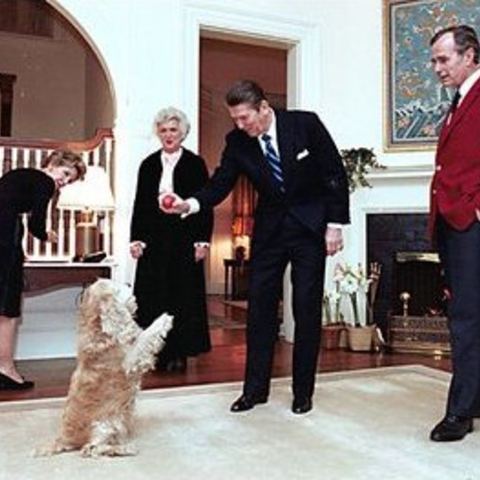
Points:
(52, 236)
(201, 252)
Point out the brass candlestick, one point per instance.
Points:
(405, 297)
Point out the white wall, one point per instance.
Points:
(150, 52)
(150, 49)
(47, 73)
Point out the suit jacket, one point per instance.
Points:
(148, 221)
(315, 180)
(455, 187)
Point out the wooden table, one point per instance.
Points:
(41, 277)
(236, 278)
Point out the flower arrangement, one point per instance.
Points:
(331, 308)
(351, 282)
(358, 162)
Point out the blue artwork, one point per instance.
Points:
(417, 102)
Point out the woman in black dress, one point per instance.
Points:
(170, 250)
(25, 190)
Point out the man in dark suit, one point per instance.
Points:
(302, 201)
(454, 222)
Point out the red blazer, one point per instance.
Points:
(455, 187)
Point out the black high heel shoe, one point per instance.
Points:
(7, 383)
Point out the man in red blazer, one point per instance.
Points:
(455, 222)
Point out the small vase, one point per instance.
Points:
(360, 339)
(331, 336)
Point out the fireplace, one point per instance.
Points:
(410, 305)
(388, 234)
(418, 284)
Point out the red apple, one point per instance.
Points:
(167, 201)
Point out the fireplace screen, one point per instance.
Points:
(418, 284)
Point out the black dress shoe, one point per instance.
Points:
(451, 429)
(7, 383)
(301, 405)
(247, 402)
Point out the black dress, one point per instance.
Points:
(167, 277)
(24, 190)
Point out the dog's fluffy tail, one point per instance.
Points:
(141, 357)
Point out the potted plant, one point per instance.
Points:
(358, 162)
(333, 324)
(353, 284)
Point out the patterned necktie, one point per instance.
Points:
(454, 105)
(273, 160)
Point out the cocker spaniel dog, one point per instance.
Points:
(113, 353)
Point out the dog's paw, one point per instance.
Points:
(52, 449)
(162, 325)
(45, 451)
(96, 450)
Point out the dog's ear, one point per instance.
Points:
(97, 302)
(108, 311)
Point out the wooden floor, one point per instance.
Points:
(225, 363)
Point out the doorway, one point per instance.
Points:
(266, 63)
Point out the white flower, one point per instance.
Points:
(350, 282)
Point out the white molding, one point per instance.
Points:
(420, 172)
(299, 37)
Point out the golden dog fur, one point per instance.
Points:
(113, 353)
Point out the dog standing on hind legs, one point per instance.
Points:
(113, 353)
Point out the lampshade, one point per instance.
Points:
(93, 193)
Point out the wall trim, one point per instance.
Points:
(300, 37)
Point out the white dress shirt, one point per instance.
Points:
(169, 162)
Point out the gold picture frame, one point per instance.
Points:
(415, 102)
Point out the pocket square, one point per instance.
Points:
(303, 154)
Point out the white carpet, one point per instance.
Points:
(369, 424)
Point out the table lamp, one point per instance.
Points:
(91, 195)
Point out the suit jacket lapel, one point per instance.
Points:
(257, 156)
(285, 142)
(463, 108)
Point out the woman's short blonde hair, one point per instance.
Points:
(172, 113)
(66, 158)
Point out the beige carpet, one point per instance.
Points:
(370, 424)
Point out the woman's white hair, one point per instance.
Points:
(172, 113)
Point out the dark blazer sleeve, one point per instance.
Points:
(190, 176)
(333, 175)
(222, 181)
(145, 206)
(44, 192)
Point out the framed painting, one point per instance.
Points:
(416, 102)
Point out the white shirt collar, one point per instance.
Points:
(272, 132)
(169, 162)
(171, 158)
(468, 84)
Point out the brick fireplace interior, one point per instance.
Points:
(409, 264)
